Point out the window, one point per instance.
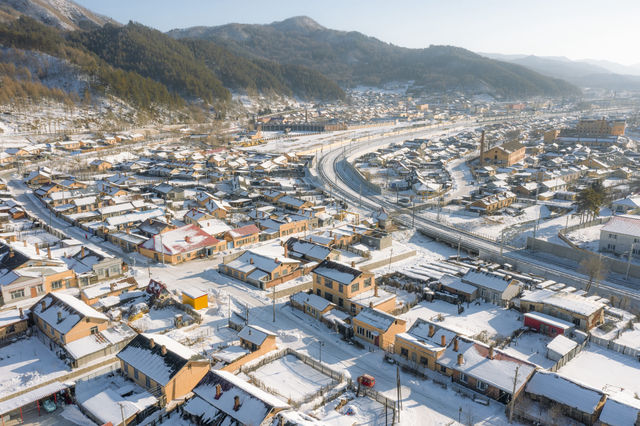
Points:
(404, 352)
(423, 360)
(481, 386)
(318, 292)
(367, 282)
(340, 301)
(94, 330)
(147, 382)
(443, 369)
(56, 284)
(135, 373)
(328, 296)
(340, 288)
(576, 321)
(613, 236)
(17, 294)
(328, 283)
(40, 288)
(355, 287)
(463, 378)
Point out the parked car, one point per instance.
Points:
(367, 380)
(49, 406)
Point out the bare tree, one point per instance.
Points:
(595, 268)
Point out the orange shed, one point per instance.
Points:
(195, 298)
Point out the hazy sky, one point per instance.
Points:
(574, 28)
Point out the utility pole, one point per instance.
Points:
(124, 423)
(320, 345)
(399, 391)
(513, 395)
(459, 241)
(413, 216)
(626, 277)
(274, 303)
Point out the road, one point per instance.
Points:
(331, 175)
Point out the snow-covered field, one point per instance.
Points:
(604, 369)
(476, 318)
(26, 363)
(360, 411)
(157, 320)
(531, 347)
(586, 238)
(291, 378)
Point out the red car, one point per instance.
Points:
(367, 380)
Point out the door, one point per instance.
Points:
(376, 340)
(34, 292)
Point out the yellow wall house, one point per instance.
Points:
(195, 298)
(423, 344)
(378, 327)
(64, 318)
(506, 154)
(180, 245)
(163, 366)
(13, 322)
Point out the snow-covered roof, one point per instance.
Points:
(12, 316)
(620, 409)
(316, 302)
(308, 249)
(244, 231)
(623, 224)
(499, 371)
(564, 391)
(97, 342)
(418, 334)
(181, 240)
(548, 319)
(455, 283)
(150, 361)
(376, 318)
(63, 311)
(254, 334)
(255, 404)
(487, 280)
(31, 396)
(561, 345)
(337, 271)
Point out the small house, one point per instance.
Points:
(195, 298)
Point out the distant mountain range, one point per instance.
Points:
(585, 73)
(352, 58)
(62, 14)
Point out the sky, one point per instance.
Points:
(577, 29)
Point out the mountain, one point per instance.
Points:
(62, 14)
(615, 67)
(581, 73)
(352, 58)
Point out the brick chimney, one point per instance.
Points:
(375, 288)
(37, 249)
(353, 263)
(152, 343)
(163, 350)
(443, 340)
(460, 359)
(236, 403)
(21, 312)
(43, 305)
(112, 286)
(455, 344)
(286, 250)
(49, 253)
(251, 260)
(82, 252)
(432, 330)
(490, 352)
(24, 243)
(59, 316)
(218, 391)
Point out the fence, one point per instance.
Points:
(611, 344)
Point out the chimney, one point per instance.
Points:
(218, 391)
(59, 316)
(21, 312)
(10, 252)
(443, 340)
(482, 150)
(236, 403)
(460, 359)
(432, 330)
(375, 288)
(112, 286)
(163, 350)
(286, 251)
(331, 233)
(37, 249)
(82, 252)
(43, 305)
(152, 343)
(251, 261)
(24, 243)
(490, 352)
(49, 253)
(371, 305)
(455, 344)
(353, 263)
(277, 260)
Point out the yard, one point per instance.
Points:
(159, 320)
(291, 378)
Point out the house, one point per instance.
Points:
(338, 283)
(243, 236)
(493, 288)
(454, 285)
(620, 409)
(217, 208)
(180, 245)
(162, 366)
(484, 369)
(92, 265)
(100, 165)
(91, 295)
(65, 319)
(621, 235)
(493, 202)
(309, 251)
(261, 270)
(377, 327)
(169, 192)
(311, 304)
(222, 398)
(38, 177)
(506, 154)
(575, 400)
(627, 205)
(423, 344)
(254, 342)
(547, 324)
(281, 227)
(195, 298)
(581, 311)
(196, 217)
(13, 322)
(254, 338)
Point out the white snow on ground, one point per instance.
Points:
(26, 363)
(604, 369)
(157, 320)
(586, 238)
(476, 318)
(291, 378)
(74, 415)
(426, 250)
(360, 411)
(531, 347)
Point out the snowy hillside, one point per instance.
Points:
(63, 14)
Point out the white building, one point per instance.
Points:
(621, 235)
